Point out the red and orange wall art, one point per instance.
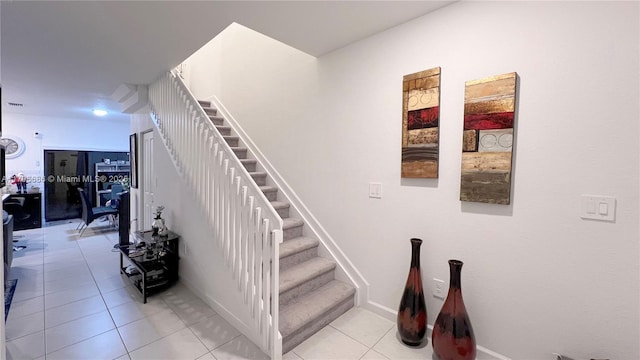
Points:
(487, 147)
(420, 124)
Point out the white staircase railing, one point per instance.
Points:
(244, 224)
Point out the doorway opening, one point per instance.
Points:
(70, 170)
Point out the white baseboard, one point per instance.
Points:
(220, 310)
(381, 310)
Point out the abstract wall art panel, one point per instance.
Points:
(420, 124)
(487, 140)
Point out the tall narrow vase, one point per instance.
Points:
(452, 336)
(412, 314)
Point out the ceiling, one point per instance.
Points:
(65, 58)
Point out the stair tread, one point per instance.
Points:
(312, 306)
(291, 222)
(279, 204)
(230, 137)
(304, 272)
(248, 160)
(257, 173)
(297, 245)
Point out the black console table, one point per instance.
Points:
(154, 266)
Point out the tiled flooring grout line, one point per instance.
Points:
(117, 328)
(45, 318)
(65, 248)
(44, 296)
(377, 342)
(103, 299)
(41, 239)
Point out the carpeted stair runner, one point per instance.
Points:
(310, 297)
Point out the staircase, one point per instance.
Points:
(310, 297)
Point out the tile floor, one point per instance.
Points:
(71, 303)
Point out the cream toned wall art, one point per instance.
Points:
(420, 124)
(487, 145)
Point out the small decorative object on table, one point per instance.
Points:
(452, 336)
(21, 182)
(412, 314)
(163, 231)
(158, 222)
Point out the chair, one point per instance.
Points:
(90, 213)
(116, 189)
(114, 202)
(15, 207)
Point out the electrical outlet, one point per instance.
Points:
(438, 288)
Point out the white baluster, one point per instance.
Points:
(238, 228)
(258, 265)
(226, 211)
(242, 268)
(232, 218)
(250, 252)
(266, 293)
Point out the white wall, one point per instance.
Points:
(246, 71)
(60, 134)
(537, 279)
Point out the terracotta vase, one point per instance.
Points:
(452, 336)
(412, 314)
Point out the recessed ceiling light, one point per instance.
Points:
(98, 112)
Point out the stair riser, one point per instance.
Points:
(232, 142)
(250, 166)
(298, 258)
(211, 111)
(306, 287)
(216, 120)
(259, 179)
(240, 153)
(204, 104)
(283, 212)
(271, 195)
(292, 233)
(224, 130)
(312, 327)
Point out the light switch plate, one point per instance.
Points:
(598, 207)
(375, 190)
